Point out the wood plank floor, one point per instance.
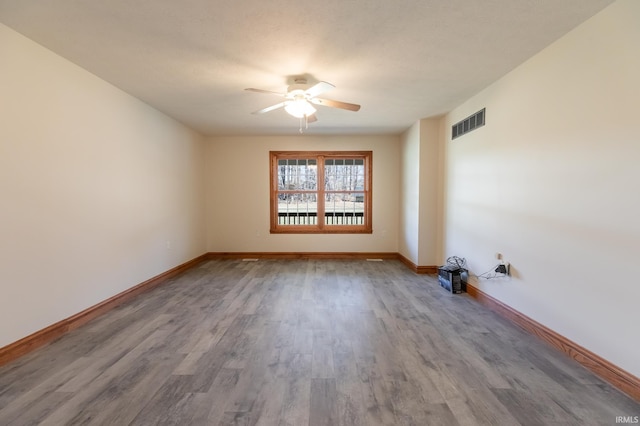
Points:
(303, 342)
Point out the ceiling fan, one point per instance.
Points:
(299, 99)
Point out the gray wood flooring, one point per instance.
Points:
(303, 342)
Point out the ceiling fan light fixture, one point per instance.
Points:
(299, 108)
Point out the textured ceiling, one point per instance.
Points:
(401, 60)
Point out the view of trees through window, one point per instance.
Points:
(332, 188)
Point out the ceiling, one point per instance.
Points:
(401, 60)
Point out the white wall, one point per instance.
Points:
(552, 182)
(93, 183)
(238, 194)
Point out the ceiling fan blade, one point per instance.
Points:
(319, 88)
(312, 118)
(251, 89)
(335, 104)
(269, 108)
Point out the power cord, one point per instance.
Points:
(490, 274)
(461, 263)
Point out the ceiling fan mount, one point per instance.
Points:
(299, 85)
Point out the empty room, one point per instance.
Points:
(319, 213)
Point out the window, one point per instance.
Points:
(320, 192)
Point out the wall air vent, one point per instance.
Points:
(468, 124)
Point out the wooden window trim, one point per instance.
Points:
(320, 228)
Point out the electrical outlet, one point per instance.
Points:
(503, 268)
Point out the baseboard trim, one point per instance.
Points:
(301, 255)
(416, 268)
(623, 380)
(46, 335)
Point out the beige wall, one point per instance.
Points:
(552, 182)
(429, 191)
(93, 184)
(420, 193)
(409, 241)
(238, 195)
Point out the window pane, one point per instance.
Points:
(298, 174)
(297, 209)
(344, 208)
(348, 176)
